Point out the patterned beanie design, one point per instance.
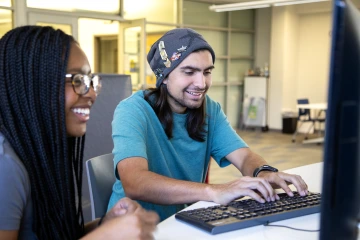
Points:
(172, 48)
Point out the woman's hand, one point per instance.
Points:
(122, 207)
(138, 225)
(126, 220)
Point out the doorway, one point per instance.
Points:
(106, 54)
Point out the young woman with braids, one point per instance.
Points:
(46, 92)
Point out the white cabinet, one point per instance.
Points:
(255, 102)
(256, 87)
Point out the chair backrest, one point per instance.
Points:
(115, 87)
(303, 112)
(101, 178)
(303, 101)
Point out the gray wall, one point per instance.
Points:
(98, 141)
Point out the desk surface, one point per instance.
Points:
(312, 174)
(318, 106)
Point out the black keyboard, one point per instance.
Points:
(248, 213)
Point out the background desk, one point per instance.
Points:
(172, 229)
(317, 107)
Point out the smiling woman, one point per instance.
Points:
(32, 134)
(79, 96)
(47, 91)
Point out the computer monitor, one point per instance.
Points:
(341, 173)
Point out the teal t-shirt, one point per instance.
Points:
(137, 132)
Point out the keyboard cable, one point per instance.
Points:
(267, 224)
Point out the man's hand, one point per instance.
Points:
(260, 188)
(263, 185)
(282, 180)
(257, 188)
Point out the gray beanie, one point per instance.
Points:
(172, 48)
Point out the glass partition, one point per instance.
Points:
(241, 44)
(238, 69)
(219, 72)
(244, 20)
(234, 105)
(131, 54)
(217, 40)
(199, 14)
(5, 22)
(217, 93)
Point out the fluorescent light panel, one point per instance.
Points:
(244, 4)
(242, 8)
(257, 4)
(297, 2)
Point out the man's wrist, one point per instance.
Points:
(209, 193)
(264, 168)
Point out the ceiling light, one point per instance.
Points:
(257, 4)
(241, 8)
(297, 2)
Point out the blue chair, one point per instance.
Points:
(101, 178)
(304, 115)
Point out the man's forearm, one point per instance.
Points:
(152, 187)
(252, 162)
(246, 161)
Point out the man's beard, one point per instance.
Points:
(182, 103)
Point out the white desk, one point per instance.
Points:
(172, 229)
(316, 107)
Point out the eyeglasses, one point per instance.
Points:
(81, 83)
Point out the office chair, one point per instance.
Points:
(304, 115)
(101, 178)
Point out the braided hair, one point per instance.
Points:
(33, 62)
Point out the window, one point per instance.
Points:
(5, 21)
(105, 6)
(163, 11)
(5, 3)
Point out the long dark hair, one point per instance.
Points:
(33, 62)
(195, 120)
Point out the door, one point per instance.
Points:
(132, 55)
